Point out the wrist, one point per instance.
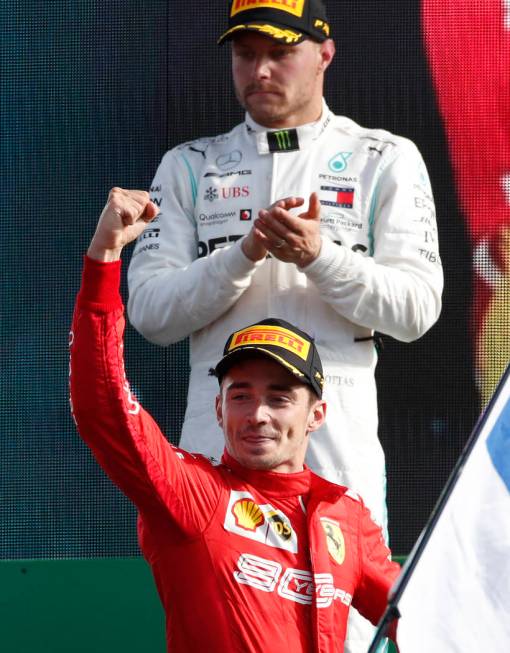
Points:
(102, 254)
(254, 253)
(311, 257)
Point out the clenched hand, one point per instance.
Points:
(125, 216)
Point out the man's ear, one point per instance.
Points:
(327, 51)
(317, 415)
(219, 411)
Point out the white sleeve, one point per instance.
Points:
(397, 290)
(172, 293)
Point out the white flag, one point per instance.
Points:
(457, 598)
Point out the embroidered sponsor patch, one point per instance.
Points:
(334, 539)
(271, 335)
(336, 196)
(294, 7)
(285, 140)
(260, 522)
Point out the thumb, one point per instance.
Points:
(314, 208)
(151, 211)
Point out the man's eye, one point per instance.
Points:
(279, 399)
(239, 396)
(245, 55)
(280, 54)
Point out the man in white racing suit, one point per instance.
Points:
(360, 256)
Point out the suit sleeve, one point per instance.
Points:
(397, 289)
(377, 571)
(173, 292)
(123, 437)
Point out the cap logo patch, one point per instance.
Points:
(271, 335)
(320, 24)
(286, 35)
(294, 7)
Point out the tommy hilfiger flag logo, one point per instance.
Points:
(335, 196)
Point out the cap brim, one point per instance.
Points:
(248, 351)
(279, 33)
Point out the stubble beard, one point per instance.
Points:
(277, 114)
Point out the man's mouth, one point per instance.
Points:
(261, 92)
(257, 438)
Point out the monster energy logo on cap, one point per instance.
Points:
(284, 140)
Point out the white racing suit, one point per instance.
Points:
(378, 269)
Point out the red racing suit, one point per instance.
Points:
(244, 561)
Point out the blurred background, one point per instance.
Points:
(92, 95)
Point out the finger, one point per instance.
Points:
(269, 235)
(288, 203)
(314, 206)
(280, 222)
(132, 206)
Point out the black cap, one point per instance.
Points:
(285, 343)
(288, 21)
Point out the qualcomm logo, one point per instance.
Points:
(339, 162)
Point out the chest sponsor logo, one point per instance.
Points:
(232, 173)
(259, 522)
(226, 193)
(156, 195)
(339, 179)
(357, 247)
(211, 194)
(298, 585)
(215, 218)
(334, 379)
(334, 539)
(206, 247)
(229, 160)
(335, 196)
(294, 7)
(198, 150)
(342, 221)
(149, 233)
(338, 163)
(285, 140)
(145, 248)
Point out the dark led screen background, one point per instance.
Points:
(92, 95)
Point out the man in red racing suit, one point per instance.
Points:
(246, 559)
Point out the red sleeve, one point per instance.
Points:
(378, 572)
(123, 437)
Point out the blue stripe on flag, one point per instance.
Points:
(498, 444)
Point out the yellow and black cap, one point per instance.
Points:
(285, 343)
(288, 21)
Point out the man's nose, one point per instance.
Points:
(262, 68)
(259, 413)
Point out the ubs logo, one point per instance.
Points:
(229, 160)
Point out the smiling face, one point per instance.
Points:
(280, 85)
(266, 415)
